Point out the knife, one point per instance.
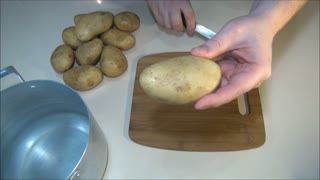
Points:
(204, 31)
(243, 102)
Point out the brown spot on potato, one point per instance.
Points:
(90, 83)
(183, 88)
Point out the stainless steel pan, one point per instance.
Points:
(47, 132)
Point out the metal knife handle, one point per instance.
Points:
(243, 104)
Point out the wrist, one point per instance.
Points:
(267, 22)
(275, 13)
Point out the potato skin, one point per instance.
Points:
(180, 80)
(89, 52)
(83, 78)
(127, 21)
(62, 58)
(69, 38)
(113, 62)
(120, 39)
(76, 18)
(88, 26)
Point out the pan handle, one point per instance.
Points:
(9, 70)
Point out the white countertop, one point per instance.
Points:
(31, 30)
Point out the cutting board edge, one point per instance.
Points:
(256, 146)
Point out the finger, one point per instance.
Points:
(227, 67)
(159, 21)
(190, 19)
(167, 21)
(212, 48)
(230, 90)
(155, 12)
(176, 21)
(222, 96)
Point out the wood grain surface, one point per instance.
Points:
(182, 128)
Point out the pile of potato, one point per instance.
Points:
(96, 43)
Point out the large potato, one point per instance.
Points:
(88, 26)
(69, 38)
(88, 53)
(113, 62)
(127, 21)
(62, 58)
(180, 80)
(83, 78)
(120, 39)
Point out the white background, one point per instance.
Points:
(31, 30)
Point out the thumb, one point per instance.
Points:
(212, 48)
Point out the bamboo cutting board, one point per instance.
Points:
(185, 129)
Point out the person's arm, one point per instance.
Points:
(248, 57)
(276, 13)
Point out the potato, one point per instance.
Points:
(120, 39)
(77, 18)
(69, 38)
(113, 62)
(88, 26)
(62, 58)
(88, 53)
(83, 78)
(180, 80)
(127, 21)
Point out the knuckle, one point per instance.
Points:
(177, 26)
(217, 43)
(215, 46)
(167, 25)
(267, 73)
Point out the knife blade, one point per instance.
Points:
(204, 31)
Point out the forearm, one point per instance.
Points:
(276, 13)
